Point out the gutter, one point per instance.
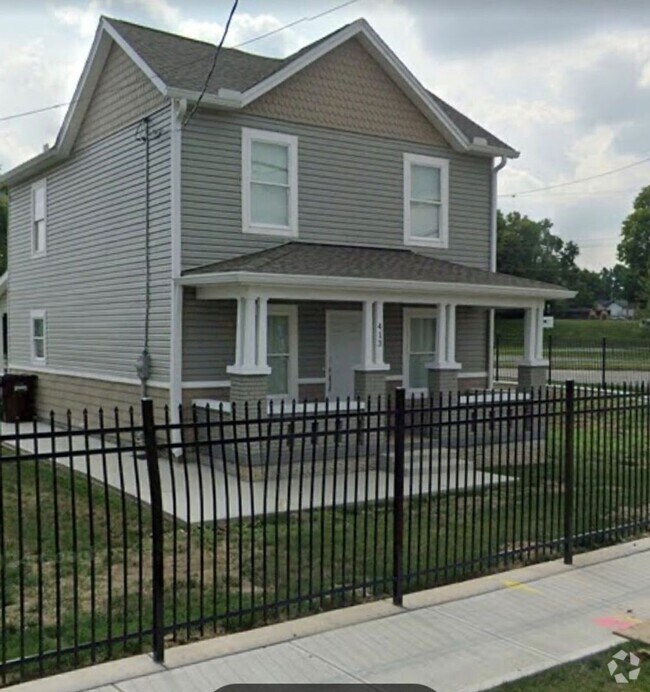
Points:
(279, 281)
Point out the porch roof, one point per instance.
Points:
(393, 267)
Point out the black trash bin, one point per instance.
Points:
(18, 397)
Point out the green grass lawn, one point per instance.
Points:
(580, 331)
(587, 674)
(242, 574)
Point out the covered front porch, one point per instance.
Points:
(313, 322)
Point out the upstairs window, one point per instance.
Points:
(39, 218)
(269, 183)
(39, 336)
(426, 201)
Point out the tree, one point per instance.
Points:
(528, 248)
(634, 249)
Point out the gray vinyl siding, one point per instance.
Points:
(350, 191)
(122, 96)
(92, 280)
(209, 337)
(209, 328)
(472, 329)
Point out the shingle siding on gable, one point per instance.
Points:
(350, 191)
(122, 96)
(92, 280)
(347, 90)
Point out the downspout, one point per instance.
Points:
(493, 263)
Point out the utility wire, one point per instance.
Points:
(197, 103)
(577, 181)
(187, 63)
(296, 22)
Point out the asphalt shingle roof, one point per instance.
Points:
(352, 261)
(184, 63)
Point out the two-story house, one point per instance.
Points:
(320, 226)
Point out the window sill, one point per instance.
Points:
(440, 244)
(283, 231)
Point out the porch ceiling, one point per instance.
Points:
(390, 274)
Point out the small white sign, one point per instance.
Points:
(549, 322)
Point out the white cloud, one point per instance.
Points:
(83, 19)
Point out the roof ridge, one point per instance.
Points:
(114, 20)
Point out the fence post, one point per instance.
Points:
(569, 426)
(398, 499)
(550, 358)
(151, 451)
(603, 378)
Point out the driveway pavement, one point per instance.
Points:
(468, 636)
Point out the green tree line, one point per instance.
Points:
(528, 248)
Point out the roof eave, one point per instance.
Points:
(247, 278)
(104, 36)
(32, 167)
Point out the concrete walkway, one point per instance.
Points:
(185, 484)
(468, 636)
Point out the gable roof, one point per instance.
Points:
(177, 66)
(297, 258)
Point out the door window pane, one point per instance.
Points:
(278, 354)
(422, 344)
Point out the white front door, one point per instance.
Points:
(343, 351)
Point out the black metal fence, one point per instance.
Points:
(597, 361)
(140, 533)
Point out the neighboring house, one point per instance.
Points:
(615, 309)
(322, 226)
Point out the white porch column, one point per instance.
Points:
(372, 337)
(251, 335)
(262, 332)
(532, 371)
(450, 356)
(443, 372)
(378, 333)
(369, 375)
(534, 336)
(441, 336)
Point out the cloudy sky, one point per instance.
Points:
(566, 82)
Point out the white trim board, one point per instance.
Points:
(355, 289)
(86, 375)
(231, 99)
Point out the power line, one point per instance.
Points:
(577, 181)
(187, 63)
(296, 22)
(197, 103)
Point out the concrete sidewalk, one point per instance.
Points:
(467, 636)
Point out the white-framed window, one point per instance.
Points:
(269, 183)
(39, 218)
(38, 329)
(419, 342)
(426, 201)
(282, 351)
